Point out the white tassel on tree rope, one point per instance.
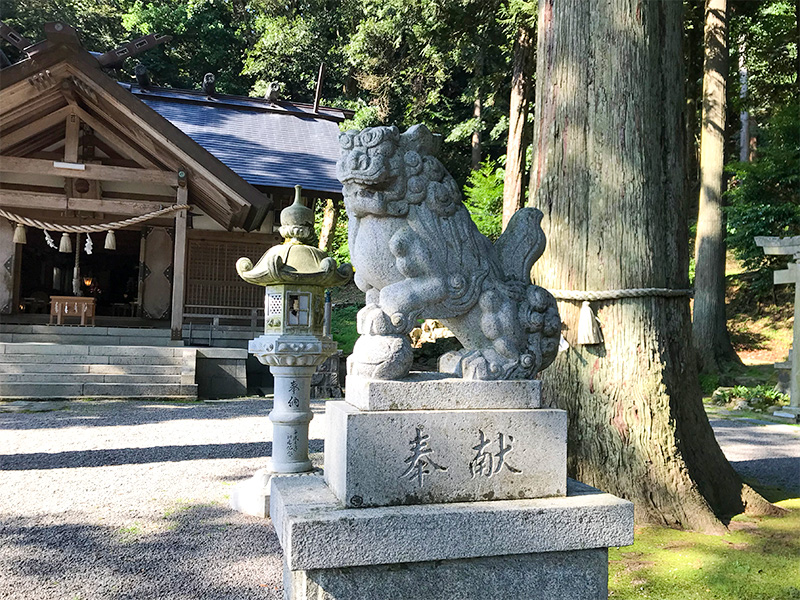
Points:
(589, 332)
(111, 240)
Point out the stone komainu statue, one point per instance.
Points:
(417, 253)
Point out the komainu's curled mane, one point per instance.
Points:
(418, 254)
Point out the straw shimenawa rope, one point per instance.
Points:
(589, 331)
(90, 228)
(617, 294)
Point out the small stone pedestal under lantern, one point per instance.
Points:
(295, 276)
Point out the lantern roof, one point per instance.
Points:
(295, 261)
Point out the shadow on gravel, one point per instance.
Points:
(72, 459)
(198, 551)
(784, 474)
(110, 413)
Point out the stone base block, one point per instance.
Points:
(317, 533)
(251, 496)
(788, 412)
(387, 458)
(436, 391)
(575, 575)
(542, 549)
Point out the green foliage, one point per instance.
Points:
(709, 382)
(365, 116)
(764, 195)
(343, 327)
(293, 38)
(759, 398)
(767, 32)
(339, 248)
(98, 22)
(484, 198)
(208, 36)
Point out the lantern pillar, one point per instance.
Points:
(295, 275)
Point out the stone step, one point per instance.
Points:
(137, 336)
(70, 368)
(33, 377)
(93, 360)
(68, 330)
(93, 390)
(126, 340)
(33, 348)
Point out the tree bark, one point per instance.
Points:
(330, 216)
(521, 84)
(693, 20)
(744, 115)
(477, 113)
(476, 135)
(709, 322)
(608, 176)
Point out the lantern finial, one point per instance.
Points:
(297, 220)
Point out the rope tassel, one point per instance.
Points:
(65, 245)
(589, 331)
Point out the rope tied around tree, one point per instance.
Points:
(589, 331)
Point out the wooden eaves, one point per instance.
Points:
(61, 79)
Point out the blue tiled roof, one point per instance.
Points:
(280, 146)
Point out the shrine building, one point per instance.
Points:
(165, 190)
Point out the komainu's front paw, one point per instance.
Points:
(484, 364)
(381, 357)
(372, 320)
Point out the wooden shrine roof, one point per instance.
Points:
(278, 145)
(61, 80)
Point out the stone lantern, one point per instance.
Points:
(294, 275)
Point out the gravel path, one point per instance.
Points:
(118, 500)
(768, 453)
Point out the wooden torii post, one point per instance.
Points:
(788, 246)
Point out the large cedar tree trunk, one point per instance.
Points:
(608, 175)
(709, 322)
(521, 84)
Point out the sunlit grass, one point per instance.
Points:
(756, 560)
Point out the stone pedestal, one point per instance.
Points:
(443, 488)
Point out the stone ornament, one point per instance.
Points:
(294, 275)
(418, 254)
(295, 261)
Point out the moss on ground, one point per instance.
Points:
(756, 560)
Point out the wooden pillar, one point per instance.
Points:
(179, 264)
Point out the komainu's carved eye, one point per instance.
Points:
(373, 136)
